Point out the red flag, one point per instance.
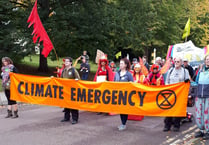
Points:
(39, 31)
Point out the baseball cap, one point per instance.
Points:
(134, 60)
(185, 59)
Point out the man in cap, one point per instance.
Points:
(144, 58)
(188, 67)
(134, 61)
(175, 75)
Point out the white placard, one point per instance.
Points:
(101, 78)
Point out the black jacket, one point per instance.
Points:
(190, 70)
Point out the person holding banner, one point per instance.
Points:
(202, 101)
(175, 75)
(138, 77)
(123, 75)
(70, 73)
(104, 73)
(7, 67)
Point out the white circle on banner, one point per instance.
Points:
(70, 73)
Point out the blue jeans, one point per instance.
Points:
(123, 118)
(84, 76)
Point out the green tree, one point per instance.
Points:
(13, 43)
(43, 67)
(108, 25)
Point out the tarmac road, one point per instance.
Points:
(40, 125)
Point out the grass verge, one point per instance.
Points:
(34, 62)
(29, 65)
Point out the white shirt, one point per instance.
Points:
(177, 75)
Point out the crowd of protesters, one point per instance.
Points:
(139, 71)
(179, 71)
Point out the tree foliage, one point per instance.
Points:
(12, 33)
(108, 25)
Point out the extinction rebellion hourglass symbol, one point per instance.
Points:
(166, 99)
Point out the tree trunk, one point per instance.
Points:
(43, 66)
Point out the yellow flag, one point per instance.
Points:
(118, 55)
(186, 29)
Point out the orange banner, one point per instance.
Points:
(115, 97)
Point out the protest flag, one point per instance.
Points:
(186, 29)
(118, 55)
(39, 31)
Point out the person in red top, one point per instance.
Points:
(59, 70)
(104, 73)
(113, 66)
(155, 78)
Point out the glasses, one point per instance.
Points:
(177, 61)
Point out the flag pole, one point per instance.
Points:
(154, 55)
(56, 56)
(186, 32)
(186, 39)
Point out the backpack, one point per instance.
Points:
(5, 76)
(172, 71)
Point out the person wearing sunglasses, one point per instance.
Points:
(175, 74)
(154, 77)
